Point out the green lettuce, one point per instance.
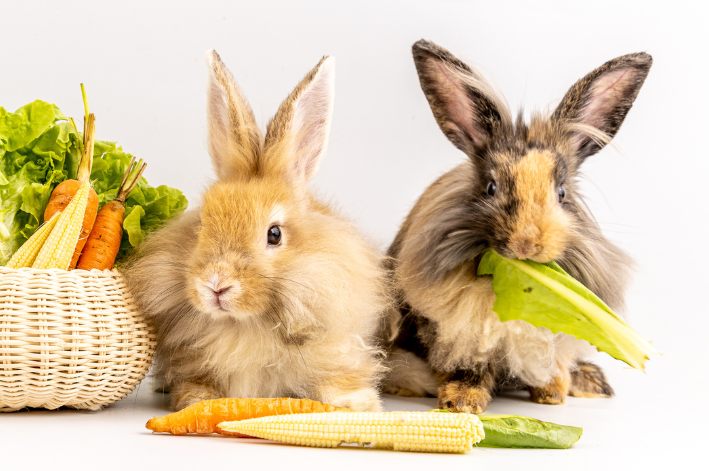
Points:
(38, 150)
(516, 431)
(546, 296)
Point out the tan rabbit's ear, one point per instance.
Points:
(234, 137)
(297, 135)
(601, 100)
(466, 108)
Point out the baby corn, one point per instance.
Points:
(27, 253)
(403, 431)
(58, 250)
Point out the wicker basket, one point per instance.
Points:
(69, 338)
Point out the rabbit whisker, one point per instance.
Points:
(286, 279)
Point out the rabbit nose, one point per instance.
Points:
(220, 291)
(219, 287)
(523, 248)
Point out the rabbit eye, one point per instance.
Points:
(491, 188)
(274, 235)
(562, 194)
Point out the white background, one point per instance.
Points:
(144, 69)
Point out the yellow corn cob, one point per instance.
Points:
(59, 247)
(403, 431)
(27, 253)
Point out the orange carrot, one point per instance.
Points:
(104, 241)
(61, 197)
(204, 416)
(65, 191)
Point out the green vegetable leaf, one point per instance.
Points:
(546, 296)
(23, 126)
(131, 225)
(516, 431)
(34, 151)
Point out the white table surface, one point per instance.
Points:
(644, 427)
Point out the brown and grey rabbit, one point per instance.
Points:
(264, 290)
(517, 193)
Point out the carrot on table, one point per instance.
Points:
(203, 417)
(65, 191)
(104, 241)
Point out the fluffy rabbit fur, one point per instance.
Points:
(264, 291)
(517, 193)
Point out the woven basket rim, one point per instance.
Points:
(75, 271)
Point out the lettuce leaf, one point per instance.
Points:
(38, 150)
(36, 153)
(25, 125)
(516, 431)
(546, 296)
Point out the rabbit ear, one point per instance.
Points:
(465, 106)
(297, 135)
(601, 100)
(234, 137)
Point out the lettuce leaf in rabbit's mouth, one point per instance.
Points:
(544, 295)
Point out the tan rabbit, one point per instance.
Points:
(264, 291)
(517, 193)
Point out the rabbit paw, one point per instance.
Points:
(457, 396)
(363, 400)
(553, 393)
(588, 380)
(186, 394)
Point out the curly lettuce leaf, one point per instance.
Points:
(546, 296)
(25, 125)
(516, 431)
(37, 152)
(131, 225)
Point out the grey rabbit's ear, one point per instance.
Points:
(601, 100)
(466, 108)
(234, 137)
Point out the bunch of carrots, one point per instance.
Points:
(74, 234)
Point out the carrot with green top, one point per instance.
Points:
(204, 416)
(104, 241)
(65, 191)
